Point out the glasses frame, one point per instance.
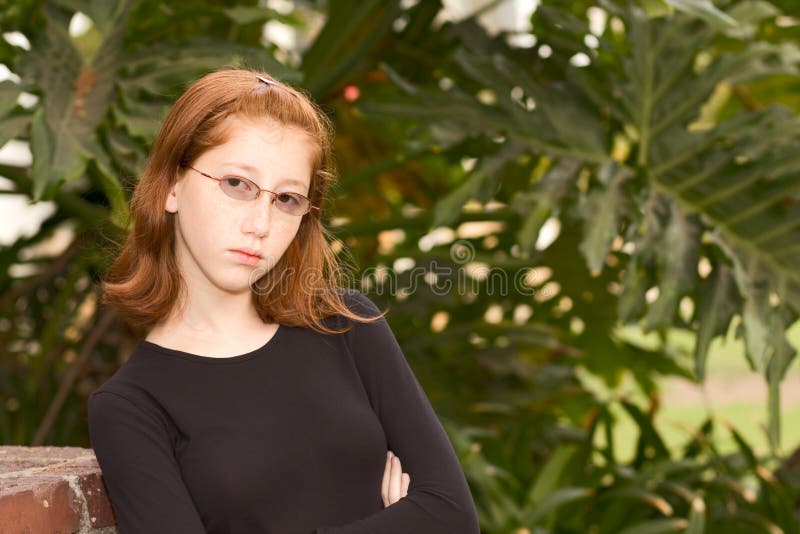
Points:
(311, 206)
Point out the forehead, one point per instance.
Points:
(263, 149)
(261, 131)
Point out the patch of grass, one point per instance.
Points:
(677, 416)
(749, 419)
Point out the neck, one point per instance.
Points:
(205, 310)
(212, 314)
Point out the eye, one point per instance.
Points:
(288, 198)
(235, 182)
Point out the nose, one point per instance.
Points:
(259, 217)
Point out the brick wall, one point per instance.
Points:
(52, 490)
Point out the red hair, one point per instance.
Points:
(144, 282)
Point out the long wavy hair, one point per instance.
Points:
(303, 289)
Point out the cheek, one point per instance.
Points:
(280, 237)
(206, 220)
(284, 233)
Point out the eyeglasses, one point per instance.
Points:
(242, 188)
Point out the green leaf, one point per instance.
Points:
(573, 123)
(544, 200)
(76, 98)
(717, 303)
(745, 448)
(657, 8)
(753, 11)
(748, 14)
(9, 92)
(244, 15)
(635, 284)
(705, 10)
(448, 208)
(656, 526)
(247, 15)
(479, 185)
(697, 517)
(41, 140)
(647, 236)
(650, 446)
(550, 476)
(756, 315)
(677, 265)
(600, 211)
(554, 501)
(701, 441)
(350, 32)
(103, 13)
(782, 356)
(641, 495)
(120, 215)
(12, 125)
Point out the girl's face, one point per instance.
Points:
(210, 226)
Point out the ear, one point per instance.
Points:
(171, 204)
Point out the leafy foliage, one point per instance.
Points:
(645, 131)
(583, 488)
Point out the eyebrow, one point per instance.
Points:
(249, 169)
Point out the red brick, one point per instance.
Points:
(44, 490)
(101, 513)
(47, 507)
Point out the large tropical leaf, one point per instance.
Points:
(675, 169)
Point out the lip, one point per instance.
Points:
(248, 251)
(245, 257)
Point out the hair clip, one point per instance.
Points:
(265, 80)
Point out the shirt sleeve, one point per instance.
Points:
(135, 455)
(438, 500)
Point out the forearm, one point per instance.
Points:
(421, 512)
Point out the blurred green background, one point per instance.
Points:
(584, 222)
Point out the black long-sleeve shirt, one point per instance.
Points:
(289, 438)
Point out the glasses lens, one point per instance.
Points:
(238, 187)
(243, 189)
(292, 203)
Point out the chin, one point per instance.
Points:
(232, 282)
(263, 279)
(259, 271)
(236, 289)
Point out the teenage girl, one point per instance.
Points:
(262, 397)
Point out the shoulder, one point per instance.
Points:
(106, 402)
(125, 383)
(116, 417)
(111, 400)
(359, 311)
(373, 330)
(357, 302)
(127, 392)
(106, 410)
